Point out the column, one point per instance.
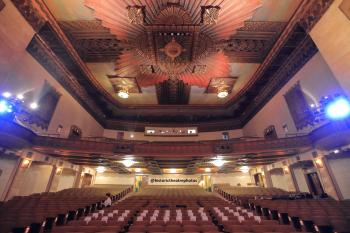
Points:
(51, 179)
(11, 179)
(268, 179)
(77, 180)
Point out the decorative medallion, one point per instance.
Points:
(173, 49)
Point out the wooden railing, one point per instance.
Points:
(198, 148)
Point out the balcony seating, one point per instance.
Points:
(32, 211)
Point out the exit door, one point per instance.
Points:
(314, 182)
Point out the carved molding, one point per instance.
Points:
(30, 13)
(308, 14)
(47, 58)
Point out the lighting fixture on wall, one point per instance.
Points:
(319, 163)
(244, 169)
(286, 170)
(123, 94)
(100, 169)
(20, 97)
(128, 162)
(26, 163)
(33, 105)
(222, 94)
(5, 107)
(59, 171)
(6, 94)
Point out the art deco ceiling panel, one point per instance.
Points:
(165, 56)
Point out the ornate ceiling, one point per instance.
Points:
(172, 56)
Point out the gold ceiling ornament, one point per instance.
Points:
(173, 49)
(210, 14)
(136, 14)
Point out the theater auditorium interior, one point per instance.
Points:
(171, 116)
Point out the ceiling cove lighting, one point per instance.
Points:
(338, 109)
(123, 94)
(218, 162)
(244, 169)
(128, 162)
(222, 94)
(100, 169)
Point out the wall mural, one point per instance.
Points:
(299, 107)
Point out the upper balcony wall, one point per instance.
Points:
(20, 72)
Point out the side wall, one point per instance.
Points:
(316, 80)
(20, 73)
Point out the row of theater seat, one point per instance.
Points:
(313, 215)
(173, 209)
(32, 212)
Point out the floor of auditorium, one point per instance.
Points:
(161, 209)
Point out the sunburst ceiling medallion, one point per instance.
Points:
(173, 40)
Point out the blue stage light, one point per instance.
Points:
(338, 109)
(3, 106)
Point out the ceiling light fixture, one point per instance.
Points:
(222, 94)
(128, 162)
(172, 170)
(123, 94)
(208, 169)
(244, 169)
(100, 169)
(218, 162)
(138, 170)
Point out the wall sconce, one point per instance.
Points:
(319, 163)
(286, 170)
(59, 171)
(26, 163)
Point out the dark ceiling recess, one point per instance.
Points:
(173, 92)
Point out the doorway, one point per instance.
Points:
(259, 181)
(314, 183)
(87, 180)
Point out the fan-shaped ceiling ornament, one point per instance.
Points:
(166, 40)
